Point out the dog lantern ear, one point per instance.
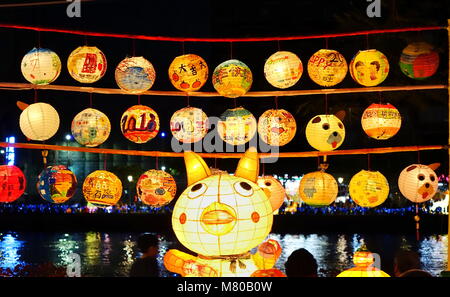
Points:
(196, 168)
(340, 114)
(248, 166)
(434, 166)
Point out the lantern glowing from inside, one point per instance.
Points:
(277, 127)
(273, 189)
(364, 261)
(283, 69)
(418, 182)
(419, 60)
(189, 124)
(188, 73)
(156, 188)
(41, 66)
(39, 121)
(325, 132)
(318, 189)
(232, 78)
(12, 183)
(381, 121)
(139, 124)
(56, 184)
(102, 188)
(369, 188)
(87, 64)
(369, 68)
(327, 67)
(237, 126)
(91, 127)
(135, 75)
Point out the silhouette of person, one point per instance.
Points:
(146, 265)
(301, 263)
(407, 264)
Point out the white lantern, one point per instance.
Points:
(39, 121)
(418, 183)
(41, 66)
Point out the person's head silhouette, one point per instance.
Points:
(301, 263)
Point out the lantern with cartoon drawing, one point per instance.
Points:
(368, 188)
(156, 188)
(369, 68)
(232, 79)
(56, 184)
(41, 66)
(326, 132)
(277, 127)
(135, 75)
(327, 67)
(236, 126)
(418, 182)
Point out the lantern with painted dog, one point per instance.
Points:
(418, 183)
(41, 66)
(273, 189)
(381, 121)
(56, 184)
(188, 73)
(135, 75)
(419, 60)
(368, 188)
(156, 188)
(12, 183)
(86, 64)
(277, 127)
(283, 69)
(369, 68)
(327, 67)
(232, 79)
(189, 124)
(139, 124)
(237, 126)
(326, 132)
(102, 188)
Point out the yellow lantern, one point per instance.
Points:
(87, 64)
(369, 68)
(325, 132)
(39, 121)
(277, 127)
(381, 121)
(139, 124)
(418, 183)
(188, 73)
(102, 188)
(327, 67)
(283, 69)
(232, 79)
(135, 75)
(318, 188)
(273, 189)
(189, 124)
(237, 126)
(419, 60)
(91, 127)
(156, 188)
(369, 188)
(364, 260)
(41, 66)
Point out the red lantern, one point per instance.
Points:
(12, 183)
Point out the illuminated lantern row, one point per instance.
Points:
(369, 68)
(364, 260)
(327, 67)
(139, 124)
(419, 60)
(368, 188)
(283, 69)
(12, 183)
(381, 121)
(325, 132)
(273, 189)
(189, 124)
(237, 126)
(41, 66)
(135, 75)
(91, 127)
(188, 73)
(39, 121)
(277, 127)
(56, 184)
(318, 189)
(102, 188)
(418, 183)
(86, 64)
(232, 79)
(156, 188)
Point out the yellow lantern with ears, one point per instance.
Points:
(369, 188)
(87, 64)
(102, 188)
(327, 67)
(283, 69)
(41, 66)
(39, 121)
(237, 126)
(188, 73)
(318, 188)
(277, 127)
(189, 124)
(156, 188)
(90, 127)
(135, 75)
(139, 124)
(273, 189)
(232, 79)
(326, 132)
(364, 260)
(381, 121)
(418, 183)
(369, 68)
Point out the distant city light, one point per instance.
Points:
(163, 134)
(163, 168)
(340, 180)
(130, 178)
(10, 153)
(2, 151)
(68, 137)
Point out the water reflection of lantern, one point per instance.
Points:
(277, 127)
(418, 182)
(419, 60)
(364, 260)
(318, 188)
(156, 188)
(12, 183)
(139, 124)
(232, 79)
(56, 184)
(135, 75)
(102, 188)
(87, 64)
(327, 67)
(283, 69)
(39, 121)
(188, 73)
(90, 127)
(189, 124)
(273, 189)
(325, 132)
(237, 126)
(41, 66)
(368, 188)
(369, 68)
(381, 121)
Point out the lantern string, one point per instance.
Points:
(139, 99)
(417, 219)
(326, 43)
(235, 102)
(367, 41)
(90, 100)
(156, 162)
(187, 100)
(215, 162)
(85, 40)
(231, 50)
(368, 162)
(380, 97)
(276, 102)
(35, 95)
(133, 47)
(326, 103)
(182, 47)
(418, 157)
(278, 44)
(39, 39)
(104, 161)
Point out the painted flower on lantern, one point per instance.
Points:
(91, 127)
(189, 124)
(318, 188)
(12, 183)
(188, 73)
(418, 182)
(87, 64)
(419, 60)
(327, 67)
(232, 79)
(364, 261)
(277, 127)
(139, 124)
(156, 188)
(369, 188)
(381, 121)
(41, 66)
(39, 121)
(283, 69)
(56, 184)
(135, 75)
(237, 126)
(273, 189)
(369, 68)
(102, 188)
(326, 132)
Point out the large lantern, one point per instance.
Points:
(277, 127)
(56, 184)
(273, 189)
(156, 188)
(327, 67)
(39, 121)
(369, 68)
(232, 79)
(381, 121)
(12, 183)
(419, 60)
(188, 73)
(418, 182)
(283, 69)
(237, 126)
(325, 132)
(102, 188)
(364, 260)
(87, 64)
(139, 124)
(369, 188)
(135, 75)
(91, 127)
(189, 124)
(318, 188)
(41, 66)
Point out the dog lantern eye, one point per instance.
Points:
(421, 177)
(326, 126)
(432, 178)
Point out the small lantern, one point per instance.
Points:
(277, 127)
(318, 188)
(364, 260)
(41, 66)
(283, 69)
(39, 121)
(189, 124)
(237, 126)
(91, 127)
(156, 188)
(418, 183)
(102, 188)
(87, 64)
(369, 188)
(369, 68)
(381, 121)
(135, 75)
(325, 132)
(12, 183)
(273, 189)
(56, 184)
(419, 60)
(232, 79)
(139, 124)
(327, 67)
(188, 73)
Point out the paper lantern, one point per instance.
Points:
(418, 182)
(156, 188)
(91, 127)
(56, 184)
(318, 189)
(12, 183)
(277, 127)
(87, 64)
(369, 188)
(41, 66)
(189, 124)
(364, 260)
(283, 69)
(135, 75)
(237, 126)
(39, 121)
(232, 79)
(419, 60)
(188, 73)
(102, 188)
(273, 189)
(325, 132)
(369, 68)
(381, 121)
(139, 124)
(327, 67)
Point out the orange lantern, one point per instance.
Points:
(102, 188)
(381, 121)
(277, 127)
(364, 260)
(369, 68)
(139, 124)
(273, 189)
(156, 188)
(327, 67)
(12, 183)
(318, 188)
(188, 73)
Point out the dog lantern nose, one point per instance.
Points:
(335, 133)
(427, 185)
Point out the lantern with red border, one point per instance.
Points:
(139, 124)
(12, 183)
(381, 121)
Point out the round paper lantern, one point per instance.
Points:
(41, 66)
(139, 124)
(418, 182)
(91, 127)
(419, 60)
(156, 188)
(273, 189)
(369, 188)
(381, 121)
(237, 126)
(283, 69)
(327, 67)
(277, 127)
(56, 184)
(232, 79)
(325, 132)
(364, 260)
(39, 121)
(135, 75)
(369, 68)
(102, 188)
(318, 189)
(12, 183)
(189, 124)
(188, 73)
(87, 64)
